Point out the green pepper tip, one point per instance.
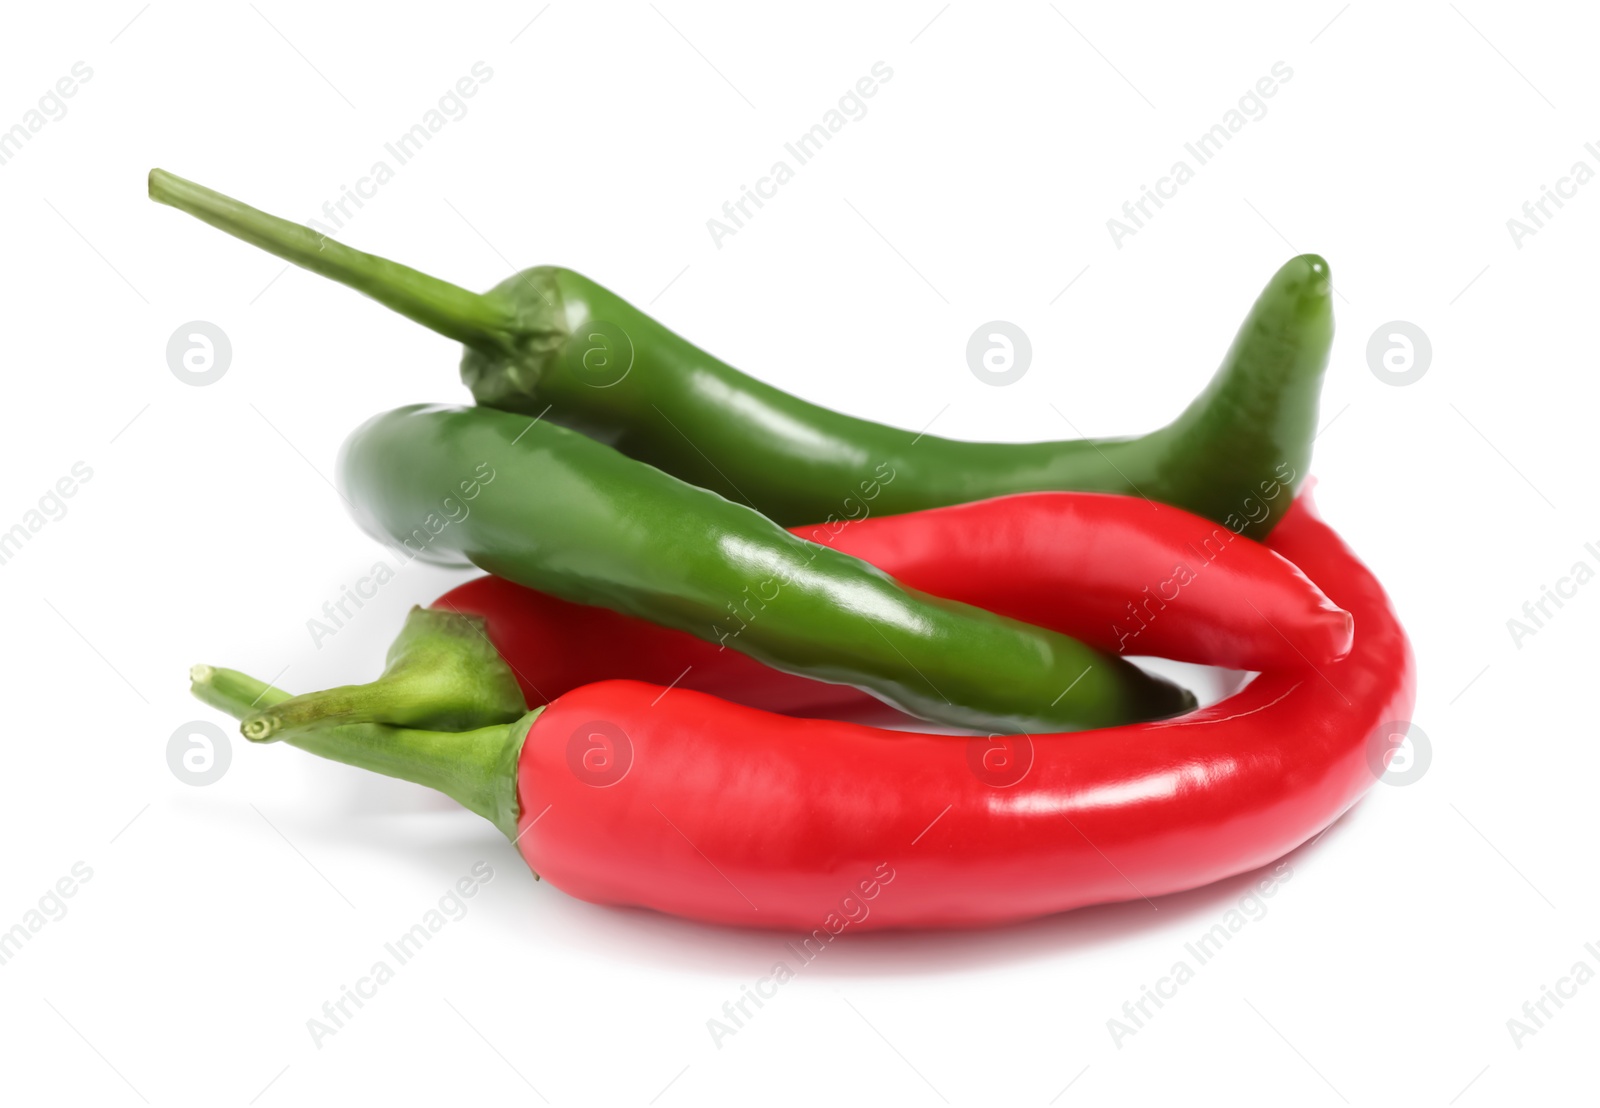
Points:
(1309, 279)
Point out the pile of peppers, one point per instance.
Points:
(700, 586)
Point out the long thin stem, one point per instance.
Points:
(478, 769)
(468, 317)
(233, 692)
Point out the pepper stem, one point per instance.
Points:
(230, 691)
(477, 768)
(443, 674)
(468, 317)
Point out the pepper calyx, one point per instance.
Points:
(508, 375)
(442, 673)
(477, 768)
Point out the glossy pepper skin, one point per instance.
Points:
(1147, 581)
(554, 510)
(1110, 570)
(627, 793)
(734, 816)
(551, 342)
(490, 649)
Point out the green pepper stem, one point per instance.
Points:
(230, 691)
(443, 674)
(468, 317)
(478, 768)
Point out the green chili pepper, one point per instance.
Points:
(554, 510)
(549, 341)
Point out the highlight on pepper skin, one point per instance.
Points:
(531, 347)
(760, 794)
(653, 645)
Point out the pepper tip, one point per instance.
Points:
(1347, 636)
(1314, 271)
(1302, 286)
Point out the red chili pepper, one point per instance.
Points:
(628, 793)
(1116, 572)
(733, 815)
(1105, 569)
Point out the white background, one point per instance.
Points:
(219, 919)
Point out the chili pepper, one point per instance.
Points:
(625, 793)
(1105, 569)
(551, 342)
(576, 519)
(1244, 607)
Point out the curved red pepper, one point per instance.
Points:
(1108, 570)
(1117, 572)
(671, 799)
